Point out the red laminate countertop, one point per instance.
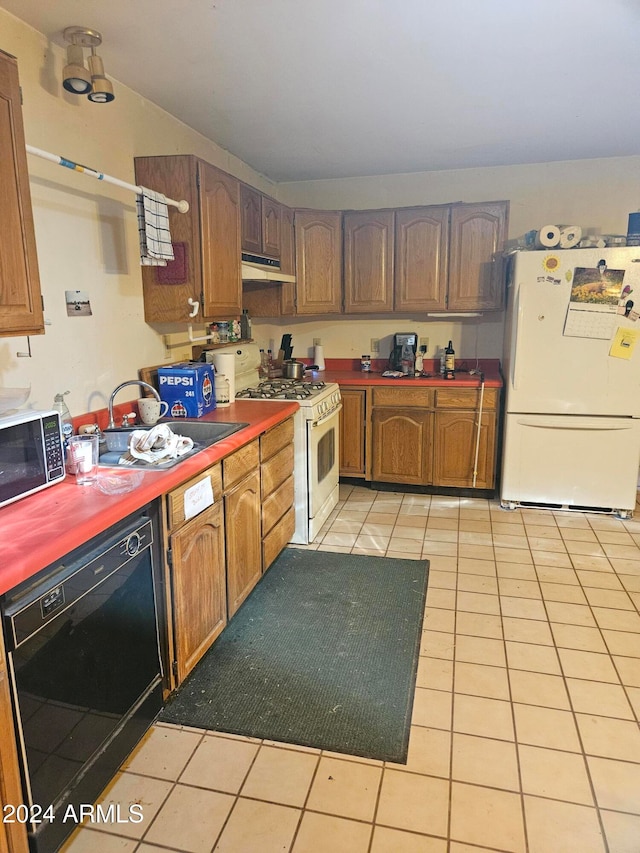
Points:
(347, 372)
(43, 527)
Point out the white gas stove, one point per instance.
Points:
(316, 432)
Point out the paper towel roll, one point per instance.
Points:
(570, 236)
(318, 356)
(548, 237)
(225, 363)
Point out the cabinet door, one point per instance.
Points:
(455, 438)
(251, 219)
(13, 836)
(352, 432)
(421, 258)
(368, 261)
(402, 444)
(271, 218)
(244, 541)
(20, 298)
(176, 177)
(220, 226)
(478, 233)
(198, 586)
(319, 261)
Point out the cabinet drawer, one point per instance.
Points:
(466, 398)
(175, 499)
(276, 470)
(419, 397)
(275, 541)
(239, 464)
(275, 506)
(274, 440)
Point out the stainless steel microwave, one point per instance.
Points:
(31, 454)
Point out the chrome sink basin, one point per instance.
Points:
(203, 433)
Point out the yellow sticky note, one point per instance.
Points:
(624, 343)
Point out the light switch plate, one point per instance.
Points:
(375, 346)
(317, 342)
(424, 342)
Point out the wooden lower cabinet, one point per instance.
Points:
(401, 441)
(455, 438)
(352, 432)
(198, 587)
(244, 539)
(13, 836)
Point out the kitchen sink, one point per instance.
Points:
(203, 433)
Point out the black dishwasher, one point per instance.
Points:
(82, 638)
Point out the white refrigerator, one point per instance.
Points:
(572, 380)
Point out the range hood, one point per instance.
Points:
(259, 268)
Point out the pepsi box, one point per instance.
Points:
(187, 389)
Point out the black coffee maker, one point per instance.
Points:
(399, 339)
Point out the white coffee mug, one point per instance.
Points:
(151, 410)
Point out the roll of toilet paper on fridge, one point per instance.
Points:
(225, 363)
(318, 356)
(548, 237)
(570, 236)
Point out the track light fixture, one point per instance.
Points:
(76, 78)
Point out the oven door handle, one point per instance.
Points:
(328, 415)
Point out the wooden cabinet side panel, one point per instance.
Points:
(220, 224)
(244, 540)
(12, 835)
(402, 446)
(478, 232)
(318, 236)
(368, 261)
(287, 259)
(455, 437)
(352, 433)
(422, 257)
(198, 587)
(20, 298)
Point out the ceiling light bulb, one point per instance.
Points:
(102, 90)
(75, 77)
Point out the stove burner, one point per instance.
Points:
(282, 389)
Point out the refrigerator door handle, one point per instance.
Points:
(575, 422)
(514, 350)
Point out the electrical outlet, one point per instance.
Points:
(375, 346)
(424, 342)
(317, 342)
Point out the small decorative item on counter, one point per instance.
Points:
(263, 367)
(449, 362)
(234, 330)
(215, 333)
(420, 360)
(365, 363)
(223, 331)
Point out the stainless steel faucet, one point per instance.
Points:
(122, 385)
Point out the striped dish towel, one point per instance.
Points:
(153, 228)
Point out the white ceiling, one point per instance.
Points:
(302, 90)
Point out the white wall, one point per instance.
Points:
(86, 231)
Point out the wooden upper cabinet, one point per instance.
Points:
(288, 260)
(421, 258)
(368, 261)
(478, 233)
(260, 222)
(20, 297)
(207, 237)
(318, 237)
(251, 219)
(271, 227)
(220, 228)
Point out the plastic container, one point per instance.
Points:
(407, 359)
(365, 363)
(66, 424)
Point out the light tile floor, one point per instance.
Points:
(524, 733)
